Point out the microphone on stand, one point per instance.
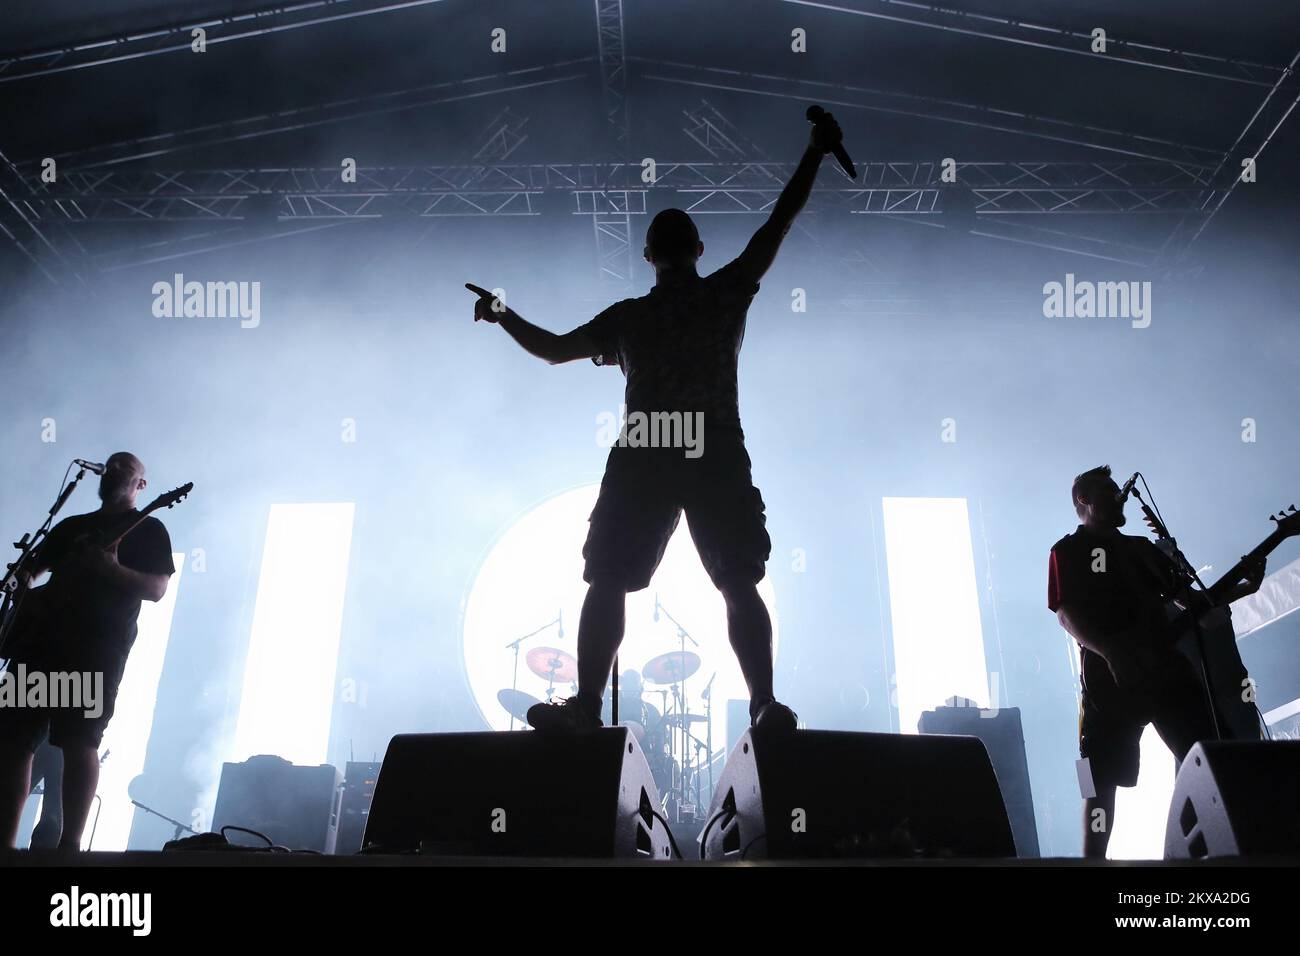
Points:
(656, 607)
(94, 466)
(708, 688)
(560, 618)
(1127, 489)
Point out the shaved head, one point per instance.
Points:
(672, 238)
(128, 459)
(122, 480)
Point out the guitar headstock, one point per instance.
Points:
(169, 498)
(1288, 521)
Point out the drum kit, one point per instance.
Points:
(677, 744)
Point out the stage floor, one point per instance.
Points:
(262, 858)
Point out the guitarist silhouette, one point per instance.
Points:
(103, 564)
(1110, 592)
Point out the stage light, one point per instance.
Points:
(127, 737)
(288, 697)
(1141, 812)
(533, 572)
(934, 606)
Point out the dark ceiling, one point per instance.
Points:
(415, 84)
(449, 40)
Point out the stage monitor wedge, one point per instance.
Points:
(517, 794)
(816, 794)
(1236, 798)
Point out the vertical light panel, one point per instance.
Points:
(1141, 812)
(127, 736)
(288, 696)
(933, 606)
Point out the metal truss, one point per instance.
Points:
(1158, 176)
(499, 137)
(1249, 144)
(45, 244)
(914, 105)
(990, 192)
(612, 216)
(503, 135)
(501, 189)
(284, 17)
(1024, 33)
(177, 37)
(613, 71)
(919, 188)
(717, 136)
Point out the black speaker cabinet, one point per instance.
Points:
(1236, 798)
(825, 794)
(294, 806)
(515, 794)
(1004, 739)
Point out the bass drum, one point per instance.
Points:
(658, 753)
(634, 714)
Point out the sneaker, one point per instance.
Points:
(775, 716)
(565, 716)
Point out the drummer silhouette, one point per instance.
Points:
(678, 346)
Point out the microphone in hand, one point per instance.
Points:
(829, 138)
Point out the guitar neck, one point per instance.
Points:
(131, 527)
(162, 501)
(1238, 570)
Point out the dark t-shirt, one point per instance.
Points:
(1127, 593)
(86, 618)
(679, 347)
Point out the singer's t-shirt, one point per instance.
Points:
(679, 346)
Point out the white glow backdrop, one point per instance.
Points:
(534, 571)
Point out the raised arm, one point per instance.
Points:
(762, 249)
(534, 340)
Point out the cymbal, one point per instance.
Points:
(516, 702)
(552, 663)
(671, 667)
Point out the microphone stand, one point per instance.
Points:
(26, 546)
(683, 636)
(1184, 567)
(180, 827)
(514, 677)
(708, 726)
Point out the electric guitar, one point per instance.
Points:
(1199, 626)
(1204, 634)
(29, 605)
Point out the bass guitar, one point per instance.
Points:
(28, 606)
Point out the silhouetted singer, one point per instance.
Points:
(678, 346)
